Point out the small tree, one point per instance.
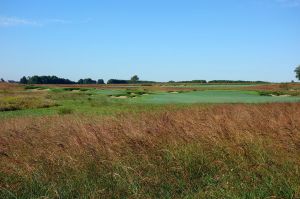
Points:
(80, 81)
(100, 81)
(134, 78)
(117, 81)
(23, 80)
(2, 80)
(297, 71)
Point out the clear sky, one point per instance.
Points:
(158, 40)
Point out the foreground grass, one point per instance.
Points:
(223, 151)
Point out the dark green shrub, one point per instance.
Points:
(64, 111)
(34, 87)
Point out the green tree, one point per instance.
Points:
(45, 80)
(117, 81)
(297, 71)
(23, 80)
(2, 80)
(86, 81)
(134, 78)
(100, 81)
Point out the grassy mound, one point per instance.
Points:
(24, 102)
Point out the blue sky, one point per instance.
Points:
(158, 40)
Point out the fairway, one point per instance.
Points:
(107, 101)
(213, 85)
(212, 97)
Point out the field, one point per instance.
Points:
(106, 100)
(150, 141)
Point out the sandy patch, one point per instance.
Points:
(284, 96)
(39, 90)
(280, 95)
(119, 97)
(122, 97)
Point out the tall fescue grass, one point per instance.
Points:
(9, 86)
(223, 151)
(11, 103)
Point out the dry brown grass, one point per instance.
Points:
(7, 86)
(293, 87)
(23, 141)
(222, 151)
(275, 87)
(157, 86)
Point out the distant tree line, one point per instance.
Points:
(236, 81)
(119, 81)
(193, 81)
(45, 80)
(134, 80)
(56, 80)
(90, 81)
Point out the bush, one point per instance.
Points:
(279, 93)
(64, 111)
(270, 93)
(71, 89)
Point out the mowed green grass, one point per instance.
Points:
(212, 96)
(96, 102)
